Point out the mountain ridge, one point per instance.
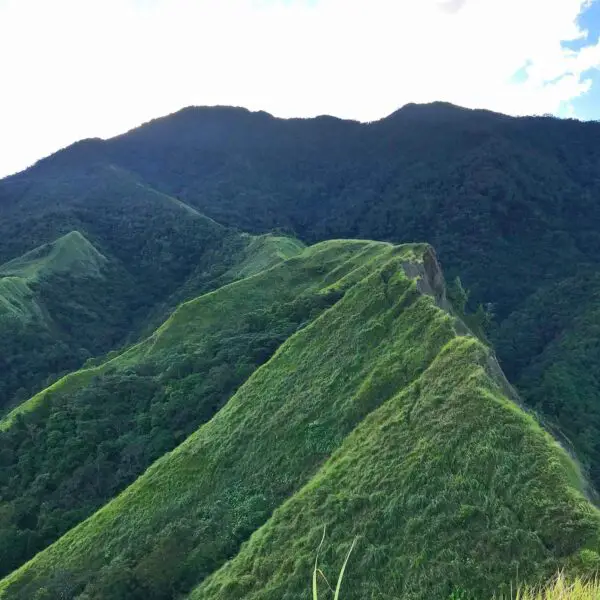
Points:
(383, 360)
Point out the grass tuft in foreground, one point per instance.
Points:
(559, 589)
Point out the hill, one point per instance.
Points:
(93, 258)
(45, 295)
(378, 416)
(71, 254)
(508, 203)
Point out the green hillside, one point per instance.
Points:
(101, 259)
(375, 417)
(510, 204)
(552, 345)
(72, 254)
(44, 295)
(74, 445)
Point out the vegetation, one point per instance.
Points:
(114, 260)
(375, 419)
(185, 406)
(72, 447)
(559, 589)
(509, 204)
(552, 347)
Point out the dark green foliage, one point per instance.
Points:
(458, 296)
(509, 204)
(153, 253)
(552, 347)
(449, 486)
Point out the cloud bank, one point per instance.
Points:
(78, 68)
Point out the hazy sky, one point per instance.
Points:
(94, 68)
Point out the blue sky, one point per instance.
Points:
(72, 69)
(587, 106)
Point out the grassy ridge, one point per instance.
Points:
(72, 253)
(73, 446)
(447, 486)
(375, 419)
(100, 253)
(51, 301)
(192, 509)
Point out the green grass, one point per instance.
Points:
(263, 252)
(221, 484)
(318, 573)
(376, 420)
(71, 253)
(561, 588)
(447, 485)
(144, 401)
(17, 300)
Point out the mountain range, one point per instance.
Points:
(226, 336)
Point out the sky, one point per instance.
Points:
(72, 69)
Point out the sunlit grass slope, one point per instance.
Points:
(72, 447)
(376, 420)
(71, 253)
(264, 251)
(192, 509)
(447, 485)
(560, 588)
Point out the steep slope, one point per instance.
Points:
(71, 253)
(509, 204)
(376, 419)
(552, 345)
(54, 310)
(72, 447)
(446, 487)
(126, 256)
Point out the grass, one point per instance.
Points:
(71, 253)
(263, 252)
(447, 485)
(18, 299)
(317, 572)
(561, 588)
(376, 420)
(273, 435)
(208, 345)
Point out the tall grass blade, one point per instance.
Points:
(339, 582)
(314, 578)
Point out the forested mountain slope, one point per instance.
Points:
(58, 304)
(378, 416)
(94, 257)
(510, 204)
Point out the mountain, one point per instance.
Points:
(378, 417)
(54, 311)
(208, 367)
(508, 203)
(94, 258)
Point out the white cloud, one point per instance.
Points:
(80, 68)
